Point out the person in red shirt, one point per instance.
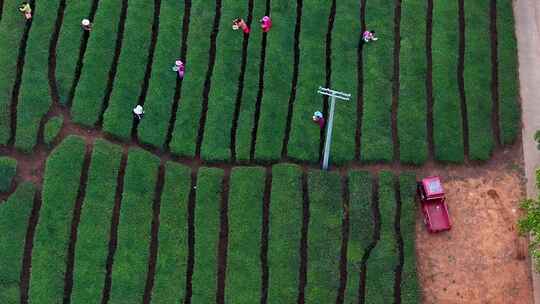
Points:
(319, 119)
(239, 23)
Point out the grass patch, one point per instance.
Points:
(118, 118)
(411, 116)
(186, 126)
(170, 277)
(246, 116)
(131, 257)
(162, 87)
(285, 233)
(477, 77)
(361, 228)
(324, 236)
(207, 228)
(34, 99)
(93, 232)
(384, 257)
(8, 169)
(14, 215)
(245, 224)
(216, 145)
(510, 114)
(410, 288)
(447, 121)
(345, 36)
(60, 188)
(52, 129)
(67, 50)
(277, 79)
(11, 30)
(305, 135)
(98, 59)
(376, 140)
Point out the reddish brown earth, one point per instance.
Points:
(482, 259)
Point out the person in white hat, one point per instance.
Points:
(139, 112)
(86, 25)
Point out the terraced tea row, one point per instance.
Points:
(250, 97)
(129, 226)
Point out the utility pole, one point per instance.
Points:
(328, 141)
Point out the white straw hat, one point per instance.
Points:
(85, 22)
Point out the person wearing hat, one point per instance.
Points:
(138, 111)
(319, 119)
(86, 25)
(26, 10)
(239, 23)
(180, 68)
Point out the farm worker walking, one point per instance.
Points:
(319, 119)
(86, 25)
(26, 10)
(139, 112)
(369, 36)
(239, 23)
(266, 24)
(180, 68)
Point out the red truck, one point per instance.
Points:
(433, 203)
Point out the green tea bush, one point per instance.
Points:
(131, 69)
(52, 129)
(90, 91)
(8, 169)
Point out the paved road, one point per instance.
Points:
(527, 14)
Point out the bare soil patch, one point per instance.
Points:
(482, 259)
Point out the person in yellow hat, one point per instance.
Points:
(26, 10)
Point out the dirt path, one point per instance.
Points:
(527, 13)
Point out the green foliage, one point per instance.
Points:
(410, 288)
(8, 169)
(411, 114)
(52, 128)
(285, 232)
(447, 122)
(34, 99)
(383, 258)
(207, 229)
(189, 111)
(345, 38)
(14, 215)
(245, 225)
(246, 115)
(170, 277)
(530, 223)
(60, 188)
(98, 58)
(278, 76)
(376, 140)
(131, 69)
(222, 97)
(305, 135)
(324, 236)
(162, 87)
(11, 30)
(478, 79)
(509, 111)
(67, 49)
(93, 232)
(361, 228)
(537, 138)
(131, 257)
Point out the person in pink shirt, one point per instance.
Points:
(369, 36)
(266, 24)
(180, 68)
(319, 119)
